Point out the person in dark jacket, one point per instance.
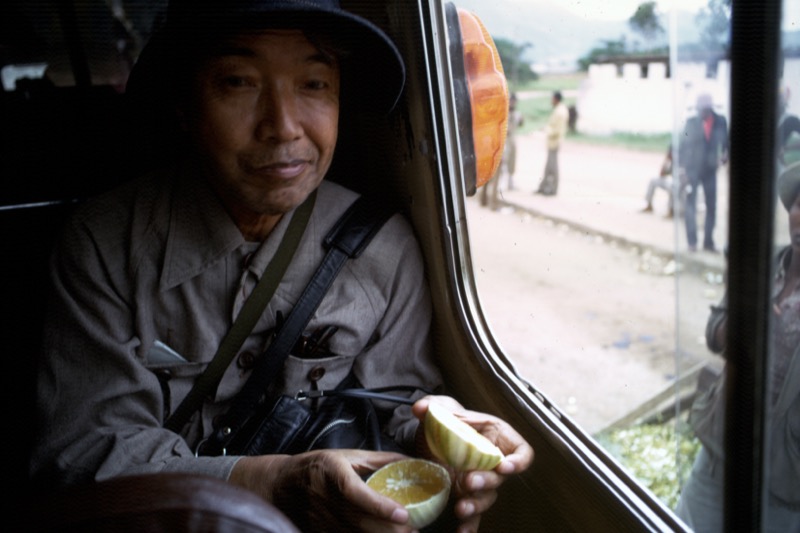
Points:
(703, 147)
(701, 501)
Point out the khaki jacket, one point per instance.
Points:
(556, 128)
(160, 261)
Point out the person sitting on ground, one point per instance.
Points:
(148, 278)
(662, 181)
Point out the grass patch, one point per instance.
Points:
(536, 110)
(632, 141)
(656, 455)
(553, 82)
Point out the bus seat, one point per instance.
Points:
(169, 503)
(26, 238)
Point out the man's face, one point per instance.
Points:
(263, 120)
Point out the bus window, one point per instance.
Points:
(781, 483)
(601, 254)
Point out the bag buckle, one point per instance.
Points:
(197, 449)
(302, 395)
(226, 431)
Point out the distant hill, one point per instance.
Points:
(554, 32)
(557, 34)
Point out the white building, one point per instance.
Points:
(639, 96)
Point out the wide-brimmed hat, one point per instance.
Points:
(372, 66)
(789, 184)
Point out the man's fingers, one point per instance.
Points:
(475, 504)
(365, 462)
(470, 525)
(478, 481)
(376, 505)
(363, 498)
(519, 454)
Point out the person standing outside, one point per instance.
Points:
(555, 131)
(515, 121)
(509, 160)
(703, 148)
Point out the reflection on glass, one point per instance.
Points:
(701, 503)
(782, 468)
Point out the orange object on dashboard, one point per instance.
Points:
(488, 93)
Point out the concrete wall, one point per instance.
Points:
(609, 102)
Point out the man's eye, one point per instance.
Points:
(316, 85)
(236, 82)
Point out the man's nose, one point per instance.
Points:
(279, 119)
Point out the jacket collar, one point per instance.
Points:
(200, 231)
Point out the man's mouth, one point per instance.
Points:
(282, 169)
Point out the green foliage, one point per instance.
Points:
(658, 456)
(609, 48)
(715, 22)
(647, 21)
(517, 70)
(555, 82)
(536, 110)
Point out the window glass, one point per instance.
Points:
(782, 466)
(590, 279)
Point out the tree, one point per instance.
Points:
(715, 24)
(647, 21)
(609, 49)
(517, 70)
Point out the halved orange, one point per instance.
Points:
(421, 486)
(457, 443)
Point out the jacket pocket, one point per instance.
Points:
(176, 380)
(315, 374)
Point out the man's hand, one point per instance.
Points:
(323, 490)
(477, 491)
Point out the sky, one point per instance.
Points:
(623, 9)
(620, 9)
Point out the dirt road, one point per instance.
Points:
(592, 324)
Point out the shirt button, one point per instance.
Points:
(316, 373)
(246, 360)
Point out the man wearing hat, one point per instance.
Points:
(148, 278)
(704, 145)
(700, 504)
